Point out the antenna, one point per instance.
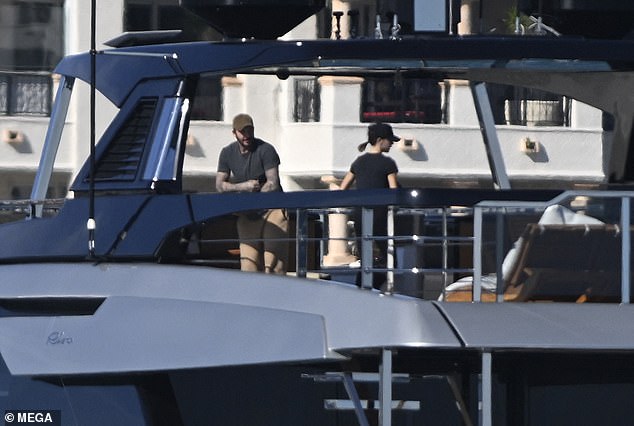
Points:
(91, 225)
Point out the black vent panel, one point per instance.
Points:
(122, 157)
(49, 306)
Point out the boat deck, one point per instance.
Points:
(568, 249)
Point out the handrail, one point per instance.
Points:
(432, 245)
(306, 243)
(624, 223)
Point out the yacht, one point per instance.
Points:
(124, 304)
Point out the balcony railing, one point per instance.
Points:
(26, 93)
(16, 210)
(572, 248)
(575, 247)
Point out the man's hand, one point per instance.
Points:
(250, 186)
(223, 184)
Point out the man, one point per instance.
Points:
(251, 165)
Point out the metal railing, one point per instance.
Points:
(411, 235)
(591, 229)
(16, 210)
(26, 93)
(515, 247)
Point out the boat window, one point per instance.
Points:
(207, 103)
(147, 15)
(523, 106)
(401, 100)
(212, 243)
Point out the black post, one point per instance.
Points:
(354, 23)
(90, 225)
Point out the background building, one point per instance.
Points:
(324, 117)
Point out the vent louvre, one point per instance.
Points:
(122, 158)
(49, 306)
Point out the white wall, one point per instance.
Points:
(453, 151)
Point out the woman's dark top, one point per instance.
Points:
(371, 170)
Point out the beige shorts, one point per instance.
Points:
(264, 241)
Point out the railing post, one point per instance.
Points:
(300, 242)
(390, 250)
(499, 256)
(489, 135)
(625, 250)
(367, 252)
(51, 144)
(385, 388)
(477, 254)
(445, 248)
(338, 251)
(486, 396)
(348, 383)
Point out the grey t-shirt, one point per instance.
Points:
(251, 165)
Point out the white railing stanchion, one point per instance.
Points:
(486, 386)
(625, 250)
(385, 388)
(445, 248)
(390, 250)
(477, 253)
(367, 252)
(301, 233)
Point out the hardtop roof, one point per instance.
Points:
(118, 71)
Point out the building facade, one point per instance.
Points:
(326, 117)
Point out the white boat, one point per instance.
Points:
(145, 318)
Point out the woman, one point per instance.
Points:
(373, 170)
